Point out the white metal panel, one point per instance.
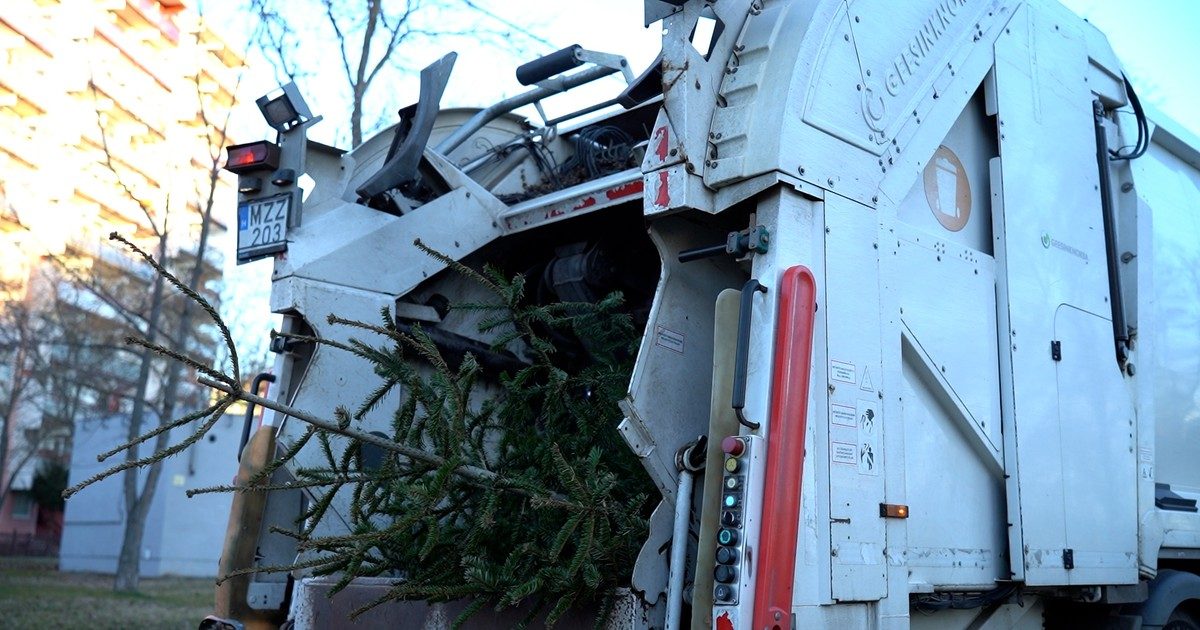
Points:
(849, 95)
(676, 348)
(797, 238)
(1097, 463)
(1051, 234)
(856, 422)
(1171, 188)
(948, 307)
(951, 417)
(972, 142)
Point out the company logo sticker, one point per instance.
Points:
(1049, 241)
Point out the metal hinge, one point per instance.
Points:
(1056, 350)
(1068, 559)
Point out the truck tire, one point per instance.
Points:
(1174, 600)
(1181, 620)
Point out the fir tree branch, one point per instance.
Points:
(472, 473)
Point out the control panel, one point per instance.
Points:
(733, 573)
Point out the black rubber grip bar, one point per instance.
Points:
(550, 65)
(741, 357)
(697, 253)
(262, 377)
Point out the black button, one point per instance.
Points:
(725, 555)
(724, 593)
(725, 574)
(730, 519)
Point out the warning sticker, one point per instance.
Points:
(866, 458)
(843, 415)
(868, 438)
(867, 385)
(843, 453)
(669, 339)
(842, 371)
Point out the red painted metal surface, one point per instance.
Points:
(785, 450)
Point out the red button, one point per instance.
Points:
(733, 446)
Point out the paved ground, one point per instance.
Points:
(33, 594)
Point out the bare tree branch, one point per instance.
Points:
(108, 161)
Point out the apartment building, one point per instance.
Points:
(110, 116)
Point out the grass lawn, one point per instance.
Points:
(33, 594)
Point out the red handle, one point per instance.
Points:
(785, 450)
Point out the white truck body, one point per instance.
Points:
(933, 165)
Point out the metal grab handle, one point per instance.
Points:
(258, 380)
(741, 357)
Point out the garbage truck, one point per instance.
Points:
(919, 291)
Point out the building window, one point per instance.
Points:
(22, 505)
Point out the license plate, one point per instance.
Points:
(262, 227)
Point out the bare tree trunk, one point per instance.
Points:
(129, 560)
(10, 415)
(169, 396)
(356, 116)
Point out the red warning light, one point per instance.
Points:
(253, 156)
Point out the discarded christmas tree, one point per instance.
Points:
(506, 486)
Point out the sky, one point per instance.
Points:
(1154, 39)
